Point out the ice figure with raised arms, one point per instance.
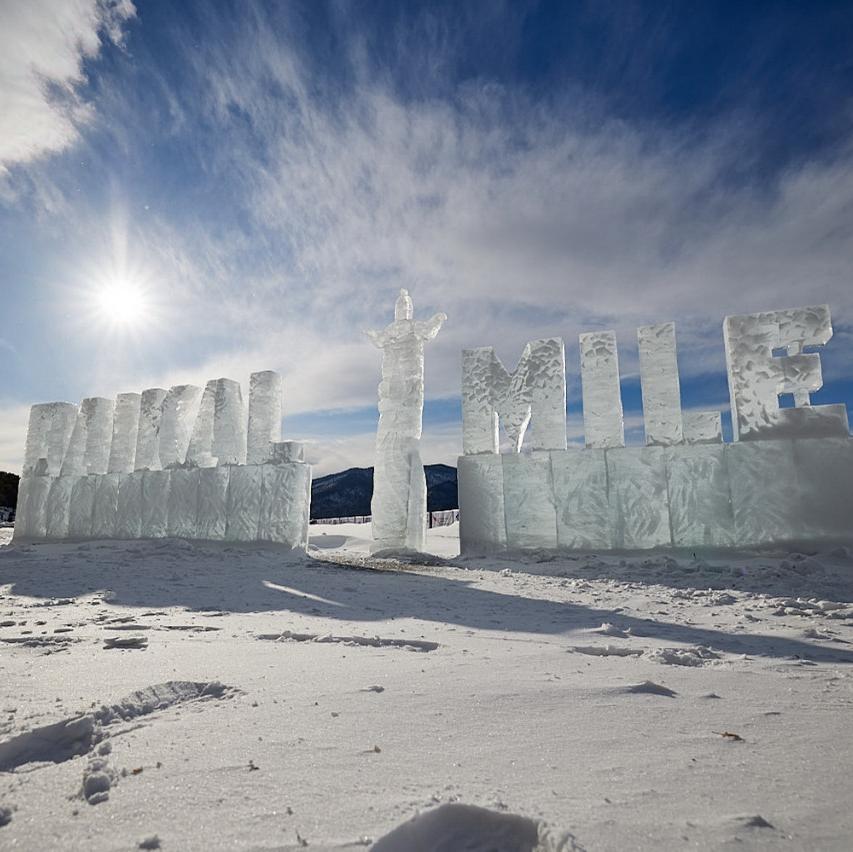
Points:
(399, 486)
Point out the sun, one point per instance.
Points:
(122, 303)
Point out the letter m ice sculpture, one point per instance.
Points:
(535, 390)
(757, 375)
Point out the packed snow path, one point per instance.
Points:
(194, 696)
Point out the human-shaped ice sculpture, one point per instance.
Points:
(399, 486)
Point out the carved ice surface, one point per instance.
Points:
(48, 433)
(285, 502)
(264, 415)
(59, 506)
(639, 508)
(702, 427)
(287, 451)
(183, 503)
(125, 433)
(105, 509)
(399, 487)
(129, 506)
(244, 502)
(155, 503)
(535, 390)
(212, 518)
(757, 376)
(700, 503)
(148, 435)
(602, 398)
(481, 502)
(82, 507)
(179, 410)
(581, 496)
(531, 519)
(200, 448)
(660, 384)
(89, 446)
(229, 423)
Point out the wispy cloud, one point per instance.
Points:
(43, 47)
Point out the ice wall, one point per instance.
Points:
(264, 415)
(142, 467)
(787, 478)
(398, 506)
(603, 421)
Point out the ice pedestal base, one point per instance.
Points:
(268, 502)
(742, 495)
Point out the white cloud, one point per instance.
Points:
(43, 45)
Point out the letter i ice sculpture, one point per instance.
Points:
(399, 503)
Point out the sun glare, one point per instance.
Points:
(121, 303)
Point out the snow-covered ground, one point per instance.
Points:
(190, 696)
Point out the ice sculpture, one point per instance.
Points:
(757, 376)
(535, 390)
(200, 449)
(163, 479)
(602, 396)
(786, 479)
(125, 433)
(148, 429)
(399, 487)
(48, 433)
(229, 423)
(179, 411)
(661, 387)
(264, 415)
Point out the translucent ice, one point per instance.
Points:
(82, 508)
(229, 423)
(125, 433)
(287, 451)
(183, 503)
(399, 487)
(602, 397)
(200, 450)
(48, 434)
(660, 384)
(581, 495)
(481, 503)
(179, 410)
(264, 415)
(535, 390)
(59, 506)
(129, 506)
(531, 519)
(148, 435)
(88, 448)
(285, 500)
(212, 520)
(155, 503)
(639, 509)
(244, 502)
(105, 508)
(757, 376)
(700, 504)
(702, 427)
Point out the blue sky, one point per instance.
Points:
(272, 173)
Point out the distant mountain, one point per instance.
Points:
(348, 493)
(8, 489)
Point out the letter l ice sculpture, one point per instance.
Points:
(399, 485)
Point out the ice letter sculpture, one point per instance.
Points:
(786, 478)
(165, 463)
(399, 486)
